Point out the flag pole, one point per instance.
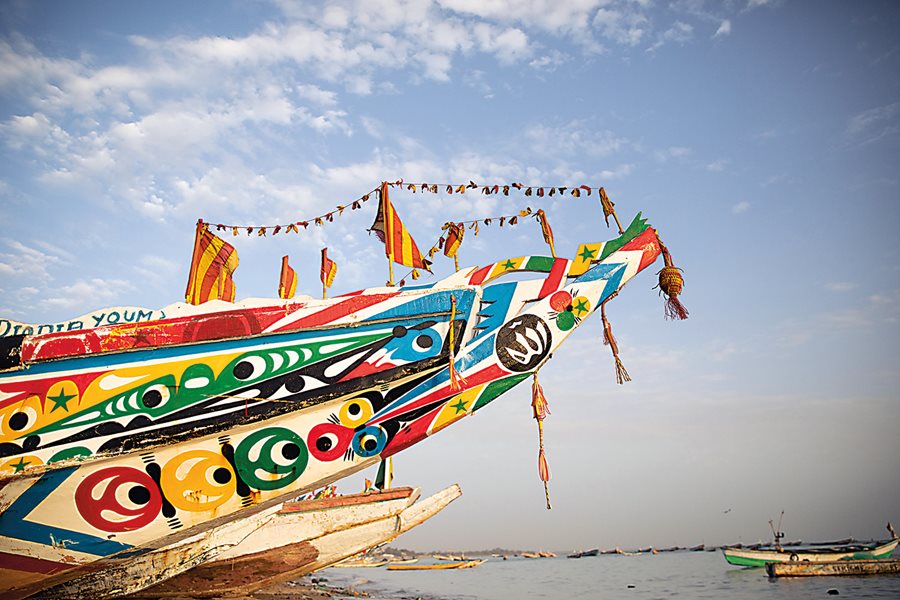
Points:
(195, 258)
(388, 233)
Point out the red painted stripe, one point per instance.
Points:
(28, 564)
(556, 276)
(336, 311)
(480, 275)
(151, 334)
(648, 243)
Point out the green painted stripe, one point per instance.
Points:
(542, 264)
(637, 227)
(495, 388)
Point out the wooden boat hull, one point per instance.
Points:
(282, 524)
(290, 426)
(467, 564)
(759, 558)
(243, 573)
(832, 568)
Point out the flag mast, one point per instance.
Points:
(195, 258)
(388, 232)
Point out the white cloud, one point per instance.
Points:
(874, 124)
(624, 26)
(717, 166)
(672, 152)
(87, 293)
(724, 29)
(840, 286)
(678, 33)
(741, 207)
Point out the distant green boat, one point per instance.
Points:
(759, 558)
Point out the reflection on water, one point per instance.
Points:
(681, 574)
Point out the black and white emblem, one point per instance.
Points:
(523, 343)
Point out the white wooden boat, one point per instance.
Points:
(288, 523)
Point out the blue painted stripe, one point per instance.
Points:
(13, 523)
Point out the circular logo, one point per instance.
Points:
(523, 343)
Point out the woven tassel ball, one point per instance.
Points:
(671, 281)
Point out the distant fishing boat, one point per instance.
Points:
(831, 568)
(813, 554)
(467, 564)
(820, 552)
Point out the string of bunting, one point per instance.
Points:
(434, 188)
(454, 230)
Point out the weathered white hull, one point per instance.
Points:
(243, 573)
(280, 525)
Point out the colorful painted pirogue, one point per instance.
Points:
(114, 436)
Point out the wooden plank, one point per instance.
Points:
(338, 501)
(838, 567)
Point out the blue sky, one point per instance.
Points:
(760, 137)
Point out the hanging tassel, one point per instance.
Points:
(609, 209)
(609, 340)
(541, 410)
(456, 381)
(671, 283)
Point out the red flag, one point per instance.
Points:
(455, 232)
(287, 285)
(329, 269)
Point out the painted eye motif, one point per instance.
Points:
(249, 367)
(22, 419)
(297, 384)
(329, 441)
(271, 458)
(356, 412)
(369, 441)
(155, 396)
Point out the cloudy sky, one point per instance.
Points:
(761, 137)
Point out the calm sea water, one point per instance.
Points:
(668, 575)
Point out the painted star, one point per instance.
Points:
(140, 339)
(459, 406)
(20, 466)
(587, 254)
(60, 400)
(581, 307)
(509, 264)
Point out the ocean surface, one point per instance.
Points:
(668, 575)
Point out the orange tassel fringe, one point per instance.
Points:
(541, 409)
(609, 340)
(456, 381)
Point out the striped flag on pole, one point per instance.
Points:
(398, 243)
(328, 270)
(212, 267)
(287, 284)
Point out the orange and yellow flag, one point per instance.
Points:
(329, 269)
(287, 284)
(455, 232)
(546, 231)
(398, 243)
(212, 267)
